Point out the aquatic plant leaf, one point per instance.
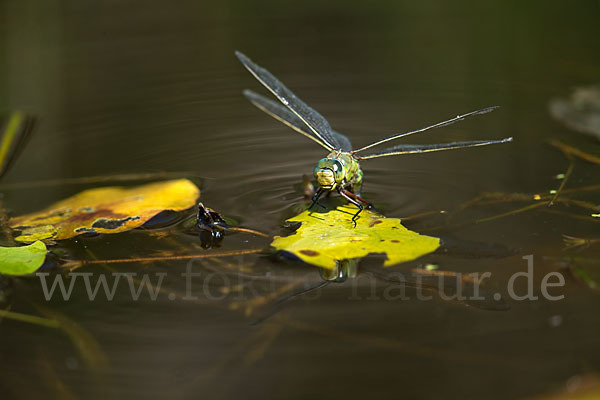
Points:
(325, 238)
(105, 210)
(13, 138)
(22, 260)
(590, 277)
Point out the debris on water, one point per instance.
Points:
(570, 152)
(209, 219)
(555, 321)
(580, 111)
(572, 241)
(308, 189)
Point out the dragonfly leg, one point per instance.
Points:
(345, 194)
(315, 199)
(358, 198)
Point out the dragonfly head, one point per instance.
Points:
(329, 173)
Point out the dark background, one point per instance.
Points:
(142, 86)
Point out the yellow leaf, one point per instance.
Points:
(105, 210)
(323, 239)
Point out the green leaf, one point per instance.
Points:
(586, 277)
(13, 137)
(22, 260)
(325, 238)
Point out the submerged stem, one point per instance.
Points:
(564, 181)
(31, 319)
(79, 263)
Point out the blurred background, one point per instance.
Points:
(145, 86)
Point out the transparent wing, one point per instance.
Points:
(290, 119)
(345, 144)
(427, 148)
(315, 121)
(438, 125)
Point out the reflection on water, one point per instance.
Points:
(125, 87)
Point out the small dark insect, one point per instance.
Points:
(211, 225)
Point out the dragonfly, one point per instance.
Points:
(340, 170)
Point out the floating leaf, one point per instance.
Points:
(105, 210)
(22, 260)
(323, 239)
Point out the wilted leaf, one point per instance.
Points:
(325, 238)
(105, 210)
(22, 260)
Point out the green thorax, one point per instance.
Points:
(338, 170)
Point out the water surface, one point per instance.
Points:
(123, 87)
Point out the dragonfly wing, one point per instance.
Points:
(315, 121)
(283, 115)
(438, 125)
(344, 142)
(290, 119)
(427, 148)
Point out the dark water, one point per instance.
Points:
(124, 86)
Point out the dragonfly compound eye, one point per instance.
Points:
(329, 172)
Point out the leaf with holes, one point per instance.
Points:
(325, 238)
(105, 210)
